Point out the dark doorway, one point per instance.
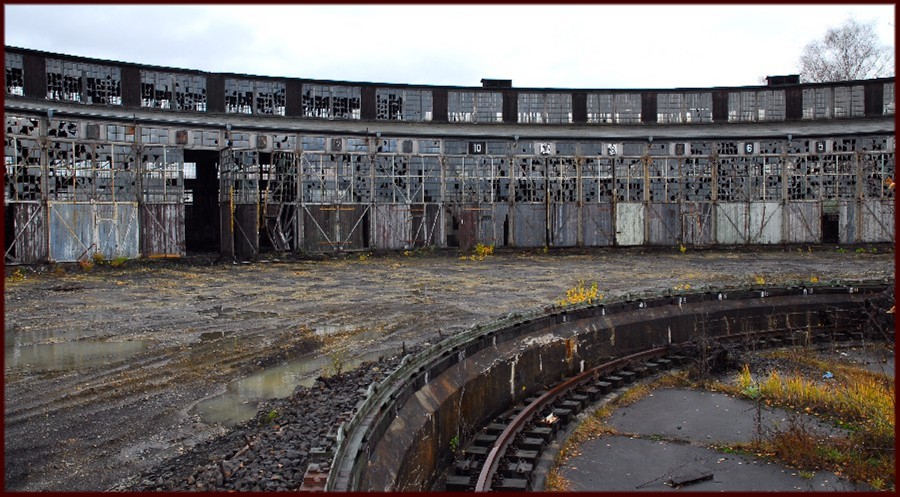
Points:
(452, 229)
(201, 205)
(506, 231)
(830, 228)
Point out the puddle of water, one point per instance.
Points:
(69, 355)
(240, 401)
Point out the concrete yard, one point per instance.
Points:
(112, 371)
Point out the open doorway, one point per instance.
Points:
(201, 200)
(830, 228)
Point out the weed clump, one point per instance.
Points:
(579, 294)
(857, 400)
(481, 252)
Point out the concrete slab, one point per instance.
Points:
(875, 358)
(617, 463)
(700, 416)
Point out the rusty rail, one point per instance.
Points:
(516, 425)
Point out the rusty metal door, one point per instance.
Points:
(731, 223)
(804, 223)
(665, 223)
(696, 223)
(78, 230)
(162, 212)
(599, 230)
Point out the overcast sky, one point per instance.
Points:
(565, 46)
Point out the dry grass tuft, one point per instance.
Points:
(854, 399)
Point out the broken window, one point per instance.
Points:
(238, 96)
(254, 97)
(429, 146)
(697, 107)
(205, 138)
(629, 175)
(876, 168)
(181, 92)
(684, 107)
(596, 179)
(770, 105)
(331, 102)
(818, 103)
(162, 174)
(21, 126)
(392, 184)
(102, 85)
(670, 108)
(320, 173)
(600, 108)
(88, 83)
(461, 106)
(190, 92)
(156, 90)
(15, 75)
(562, 179)
(545, 107)
(403, 105)
(284, 142)
(734, 183)
(664, 180)
(270, 98)
(627, 108)
(697, 174)
(84, 172)
(474, 107)
(23, 169)
(531, 108)
(238, 140)
(849, 101)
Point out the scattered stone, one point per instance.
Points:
(258, 456)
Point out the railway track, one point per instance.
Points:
(509, 458)
(504, 453)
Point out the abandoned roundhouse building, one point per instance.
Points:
(128, 160)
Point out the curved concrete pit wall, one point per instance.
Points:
(414, 445)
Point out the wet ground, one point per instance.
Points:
(668, 441)
(110, 372)
(620, 464)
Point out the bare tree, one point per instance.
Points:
(851, 51)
